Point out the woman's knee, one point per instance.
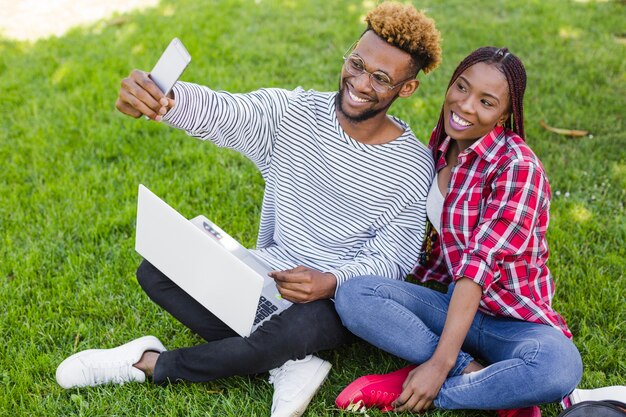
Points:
(351, 298)
(567, 364)
(560, 364)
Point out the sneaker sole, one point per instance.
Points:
(344, 399)
(616, 392)
(318, 379)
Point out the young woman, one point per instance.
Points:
(488, 210)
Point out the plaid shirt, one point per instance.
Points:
(493, 228)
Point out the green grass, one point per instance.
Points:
(71, 165)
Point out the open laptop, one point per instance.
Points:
(216, 270)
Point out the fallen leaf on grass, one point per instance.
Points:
(118, 21)
(620, 38)
(215, 391)
(566, 132)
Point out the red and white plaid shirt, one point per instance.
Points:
(493, 228)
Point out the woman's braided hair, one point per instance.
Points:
(515, 74)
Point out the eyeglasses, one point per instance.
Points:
(379, 81)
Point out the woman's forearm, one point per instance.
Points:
(461, 311)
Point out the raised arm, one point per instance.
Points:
(244, 122)
(247, 123)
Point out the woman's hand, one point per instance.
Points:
(421, 387)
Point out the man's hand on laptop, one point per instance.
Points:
(302, 284)
(139, 95)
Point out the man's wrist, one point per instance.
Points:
(331, 284)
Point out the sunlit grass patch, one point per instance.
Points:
(71, 165)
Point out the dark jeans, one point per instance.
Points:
(300, 330)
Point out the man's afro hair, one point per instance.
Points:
(409, 30)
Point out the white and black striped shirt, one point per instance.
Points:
(331, 203)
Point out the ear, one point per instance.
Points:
(408, 88)
(502, 120)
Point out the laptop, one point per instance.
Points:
(212, 267)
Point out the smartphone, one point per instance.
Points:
(170, 66)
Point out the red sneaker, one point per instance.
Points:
(533, 411)
(373, 391)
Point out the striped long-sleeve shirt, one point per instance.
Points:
(330, 203)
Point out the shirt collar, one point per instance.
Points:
(441, 153)
(485, 148)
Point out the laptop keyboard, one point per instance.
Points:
(265, 309)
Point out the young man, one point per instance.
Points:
(345, 192)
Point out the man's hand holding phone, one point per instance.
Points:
(140, 96)
(150, 94)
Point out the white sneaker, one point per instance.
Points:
(101, 366)
(295, 384)
(617, 393)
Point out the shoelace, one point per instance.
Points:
(277, 374)
(116, 372)
(286, 383)
(276, 377)
(381, 399)
(378, 399)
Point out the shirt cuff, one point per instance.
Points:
(340, 276)
(475, 268)
(181, 98)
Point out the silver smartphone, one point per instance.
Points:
(170, 66)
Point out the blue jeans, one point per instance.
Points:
(529, 363)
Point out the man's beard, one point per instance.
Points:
(368, 114)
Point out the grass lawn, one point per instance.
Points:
(71, 165)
